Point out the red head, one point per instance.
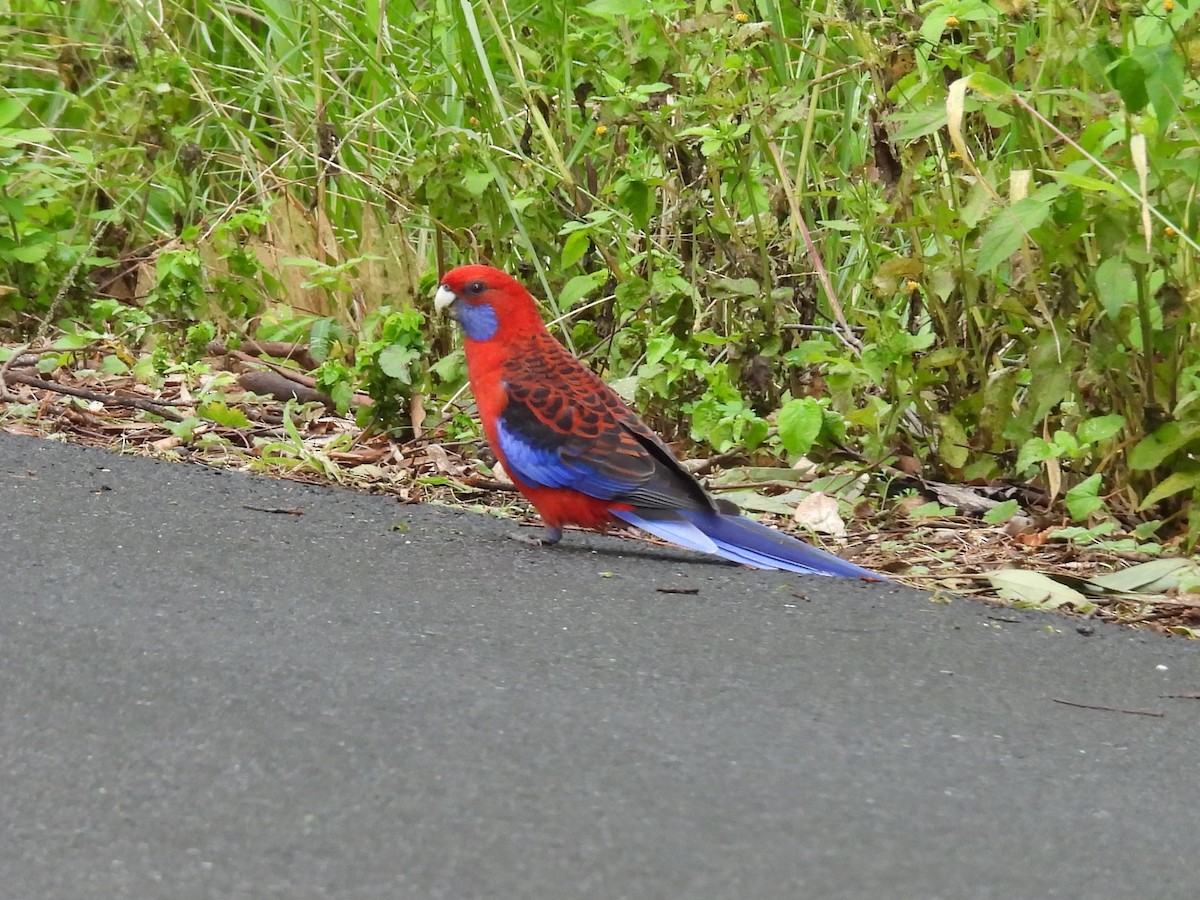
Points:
(488, 304)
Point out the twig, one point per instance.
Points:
(6, 368)
(677, 590)
(820, 329)
(273, 384)
(158, 408)
(279, 510)
(707, 465)
(293, 375)
(1133, 712)
(488, 484)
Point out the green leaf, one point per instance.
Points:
(1116, 286)
(1001, 512)
(1171, 485)
(657, 348)
(1129, 78)
(451, 368)
(1083, 499)
(921, 122)
(1084, 182)
(952, 445)
(1008, 230)
(799, 424)
(1034, 451)
(320, 339)
(113, 365)
(736, 287)
(1101, 428)
(932, 510)
(1165, 70)
(574, 247)
(10, 108)
(1053, 375)
(184, 430)
(72, 341)
(222, 414)
(611, 9)
(943, 357)
(626, 387)
(1152, 450)
(637, 197)
(1066, 443)
(341, 393)
(477, 182)
(979, 81)
(579, 287)
(29, 253)
(20, 136)
(394, 361)
(779, 504)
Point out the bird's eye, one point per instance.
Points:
(476, 287)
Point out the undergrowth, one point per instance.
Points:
(957, 238)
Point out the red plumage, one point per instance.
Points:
(575, 449)
(522, 362)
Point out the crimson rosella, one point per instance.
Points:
(578, 453)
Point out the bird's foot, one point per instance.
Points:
(548, 538)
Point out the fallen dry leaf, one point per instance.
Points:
(820, 513)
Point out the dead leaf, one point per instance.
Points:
(965, 499)
(1034, 539)
(780, 505)
(1155, 577)
(168, 443)
(1028, 588)
(416, 414)
(820, 513)
(1019, 526)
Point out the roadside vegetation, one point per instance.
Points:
(941, 256)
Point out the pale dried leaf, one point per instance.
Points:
(416, 411)
(1155, 577)
(820, 513)
(1030, 588)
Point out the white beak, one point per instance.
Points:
(443, 298)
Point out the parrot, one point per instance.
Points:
(578, 453)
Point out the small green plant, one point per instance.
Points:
(389, 363)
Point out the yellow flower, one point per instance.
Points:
(911, 285)
(601, 130)
(1168, 5)
(951, 21)
(742, 18)
(1169, 232)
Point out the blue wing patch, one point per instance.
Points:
(545, 465)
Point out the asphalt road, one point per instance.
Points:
(369, 700)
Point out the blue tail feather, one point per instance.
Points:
(741, 540)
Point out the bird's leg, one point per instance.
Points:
(551, 536)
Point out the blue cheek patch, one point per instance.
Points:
(479, 323)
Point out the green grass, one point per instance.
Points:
(956, 231)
